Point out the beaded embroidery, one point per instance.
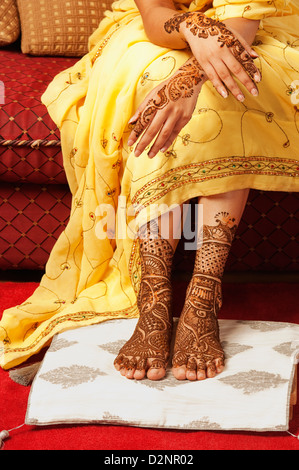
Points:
(212, 169)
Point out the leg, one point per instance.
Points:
(147, 351)
(197, 352)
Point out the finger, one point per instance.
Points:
(133, 137)
(250, 68)
(246, 46)
(213, 76)
(150, 133)
(227, 79)
(172, 137)
(134, 118)
(136, 122)
(238, 70)
(143, 122)
(146, 102)
(168, 132)
(243, 54)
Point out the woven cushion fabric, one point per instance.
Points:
(9, 22)
(38, 165)
(31, 219)
(25, 78)
(53, 27)
(267, 237)
(29, 140)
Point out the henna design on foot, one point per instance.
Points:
(148, 348)
(197, 352)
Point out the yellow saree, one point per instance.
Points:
(93, 272)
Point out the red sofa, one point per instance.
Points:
(35, 200)
(34, 196)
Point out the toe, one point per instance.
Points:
(130, 373)
(155, 374)
(219, 365)
(191, 374)
(157, 370)
(140, 369)
(179, 372)
(211, 370)
(191, 369)
(131, 367)
(201, 369)
(118, 362)
(201, 374)
(139, 374)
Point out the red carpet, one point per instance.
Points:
(272, 302)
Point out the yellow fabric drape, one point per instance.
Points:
(92, 276)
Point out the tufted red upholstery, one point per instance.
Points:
(29, 140)
(34, 196)
(35, 200)
(267, 237)
(31, 219)
(23, 117)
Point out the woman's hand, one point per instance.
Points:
(221, 52)
(167, 109)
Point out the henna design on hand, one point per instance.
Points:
(203, 27)
(145, 117)
(152, 335)
(181, 85)
(197, 344)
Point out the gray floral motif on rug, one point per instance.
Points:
(61, 343)
(253, 381)
(266, 326)
(72, 376)
(288, 348)
(232, 349)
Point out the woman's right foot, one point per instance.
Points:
(147, 351)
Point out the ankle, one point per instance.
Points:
(156, 255)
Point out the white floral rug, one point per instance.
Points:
(77, 382)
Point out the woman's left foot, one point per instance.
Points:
(197, 352)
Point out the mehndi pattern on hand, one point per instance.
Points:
(181, 85)
(202, 26)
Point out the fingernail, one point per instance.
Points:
(130, 143)
(254, 54)
(241, 97)
(137, 153)
(254, 92)
(224, 93)
(257, 77)
(151, 154)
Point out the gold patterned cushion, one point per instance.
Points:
(59, 27)
(9, 22)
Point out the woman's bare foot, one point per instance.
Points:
(197, 352)
(147, 351)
